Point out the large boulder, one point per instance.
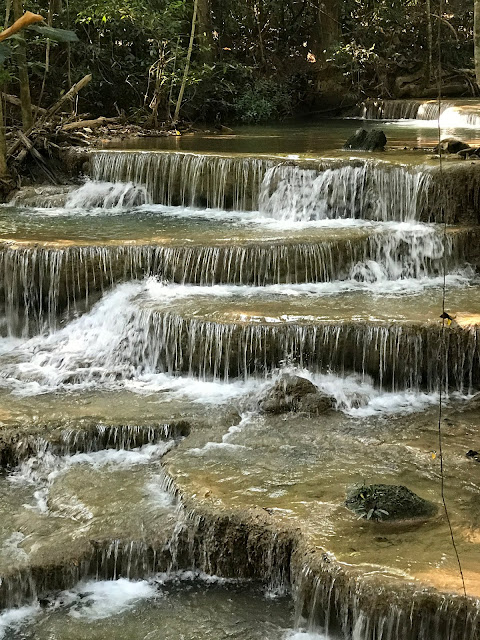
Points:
(294, 393)
(363, 140)
(451, 145)
(388, 502)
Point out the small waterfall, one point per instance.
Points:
(283, 191)
(338, 601)
(460, 117)
(186, 179)
(137, 340)
(91, 195)
(368, 190)
(403, 109)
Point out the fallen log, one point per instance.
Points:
(17, 103)
(91, 124)
(70, 95)
(37, 156)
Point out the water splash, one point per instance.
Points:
(107, 195)
(369, 190)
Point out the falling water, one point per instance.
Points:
(186, 179)
(286, 191)
(369, 190)
(38, 285)
(402, 109)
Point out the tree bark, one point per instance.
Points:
(328, 26)
(476, 40)
(204, 32)
(21, 59)
(187, 65)
(428, 70)
(3, 143)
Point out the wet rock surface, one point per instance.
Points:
(384, 502)
(294, 393)
(451, 145)
(364, 140)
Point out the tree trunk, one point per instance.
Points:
(21, 59)
(204, 32)
(3, 143)
(187, 65)
(428, 69)
(477, 40)
(328, 26)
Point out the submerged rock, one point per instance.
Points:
(363, 140)
(388, 502)
(294, 393)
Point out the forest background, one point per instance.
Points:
(253, 61)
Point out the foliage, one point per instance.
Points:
(266, 100)
(253, 60)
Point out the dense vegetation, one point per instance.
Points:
(252, 60)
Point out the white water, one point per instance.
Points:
(371, 191)
(42, 470)
(110, 344)
(14, 619)
(97, 600)
(107, 195)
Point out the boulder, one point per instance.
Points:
(294, 393)
(388, 502)
(363, 140)
(452, 145)
(470, 151)
(473, 455)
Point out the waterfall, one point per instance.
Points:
(39, 284)
(186, 179)
(284, 191)
(124, 338)
(107, 195)
(368, 190)
(403, 109)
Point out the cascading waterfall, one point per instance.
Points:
(123, 339)
(370, 190)
(78, 335)
(107, 195)
(402, 109)
(39, 284)
(214, 182)
(284, 191)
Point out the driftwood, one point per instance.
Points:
(37, 156)
(90, 124)
(70, 95)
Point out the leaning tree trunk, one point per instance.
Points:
(21, 59)
(3, 143)
(204, 32)
(187, 65)
(476, 40)
(328, 27)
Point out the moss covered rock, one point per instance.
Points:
(388, 502)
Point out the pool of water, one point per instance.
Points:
(309, 139)
(185, 606)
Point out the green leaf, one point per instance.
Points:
(57, 35)
(5, 52)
